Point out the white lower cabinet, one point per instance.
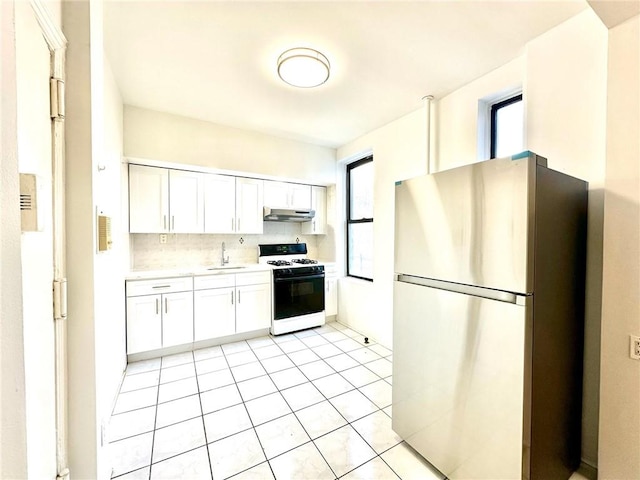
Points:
(159, 313)
(233, 303)
(330, 291)
(253, 310)
(214, 313)
(177, 318)
(166, 312)
(144, 323)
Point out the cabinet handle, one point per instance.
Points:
(232, 224)
(161, 286)
(232, 297)
(166, 307)
(314, 225)
(173, 222)
(238, 225)
(238, 296)
(157, 306)
(164, 222)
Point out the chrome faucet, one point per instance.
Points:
(225, 260)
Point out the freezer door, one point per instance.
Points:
(469, 224)
(458, 381)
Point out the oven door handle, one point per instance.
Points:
(300, 277)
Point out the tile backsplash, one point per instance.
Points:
(190, 250)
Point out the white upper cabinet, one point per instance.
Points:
(186, 202)
(148, 199)
(219, 203)
(318, 225)
(287, 195)
(163, 200)
(249, 192)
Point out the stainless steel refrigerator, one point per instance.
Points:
(488, 319)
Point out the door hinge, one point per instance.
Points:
(60, 299)
(57, 98)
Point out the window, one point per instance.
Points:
(507, 127)
(360, 219)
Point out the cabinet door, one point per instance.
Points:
(148, 199)
(177, 318)
(219, 203)
(318, 225)
(214, 313)
(253, 307)
(144, 323)
(276, 194)
(249, 205)
(299, 196)
(186, 202)
(331, 296)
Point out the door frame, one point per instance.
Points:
(57, 44)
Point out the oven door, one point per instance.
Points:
(298, 295)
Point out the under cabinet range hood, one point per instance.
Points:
(287, 215)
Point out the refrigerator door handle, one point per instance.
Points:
(499, 295)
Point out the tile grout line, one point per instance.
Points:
(253, 427)
(268, 374)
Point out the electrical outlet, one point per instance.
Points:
(634, 347)
(163, 238)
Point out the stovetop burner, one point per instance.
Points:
(279, 263)
(305, 261)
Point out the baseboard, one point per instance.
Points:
(588, 471)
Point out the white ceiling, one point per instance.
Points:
(216, 60)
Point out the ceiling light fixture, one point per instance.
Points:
(303, 67)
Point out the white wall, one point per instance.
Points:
(81, 332)
(555, 71)
(619, 452)
(13, 431)
(109, 266)
(398, 152)
(565, 93)
(162, 136)
(456, 123)
(96, 308)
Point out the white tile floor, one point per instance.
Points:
(311, 405)
(315, 404)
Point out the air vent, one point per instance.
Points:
(28, 202)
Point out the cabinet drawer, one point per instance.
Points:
(205, 282)
(158, 285)
(253, 278)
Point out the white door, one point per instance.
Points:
(144, 323)
(299, 196)
(318, 225)
(331, 296)
(34, 152)
(214, 313)
(186, 202)
(177, 318)
(253, 307)
(219, 203)
(276, 194)
(249, 205)
(148, 199)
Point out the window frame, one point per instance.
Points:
(493, 122)
(351, 166)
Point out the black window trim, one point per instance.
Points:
(350, 167)
(494, 113)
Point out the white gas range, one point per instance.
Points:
(298, 287)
